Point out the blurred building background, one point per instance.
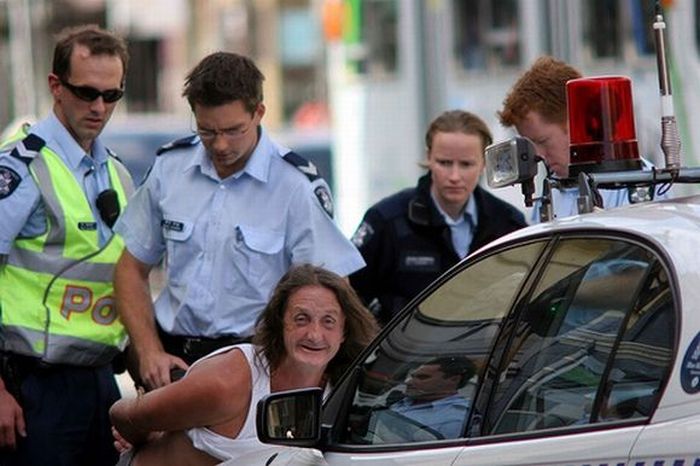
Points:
(368, 74)
(166, 38)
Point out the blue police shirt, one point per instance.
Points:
(21, 209)
(462, 229)
(565, 200)
(228, 242)
(446, 416)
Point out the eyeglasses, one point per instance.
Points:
(90, 94)
(229, 133)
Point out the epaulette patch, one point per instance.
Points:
(309, 169)
(113, 154)
(303, 165)
(9, 180)
(178, 143)
(28, 148)
(363, 233)
(324, 198)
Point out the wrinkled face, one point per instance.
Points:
(551, 141)
(429, 383)
(229, 133)
(456, 161)
(314, 326)
(85, 120)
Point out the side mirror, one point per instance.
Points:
(291, 418)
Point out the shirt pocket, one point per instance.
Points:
(258, 258)
(179, 247)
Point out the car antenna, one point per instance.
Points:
(670, 137)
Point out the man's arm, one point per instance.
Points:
(216, 391)
(135, 308)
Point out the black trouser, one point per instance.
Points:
(66, 412)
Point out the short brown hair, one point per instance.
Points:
(97, 40)
(542, 89)
(222, 78)
(451, 366)
(360, 326)
(458, 121)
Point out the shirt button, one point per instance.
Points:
(221, 186)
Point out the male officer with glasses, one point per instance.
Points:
(231, 210)
(60, 192)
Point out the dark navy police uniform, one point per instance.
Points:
(407, 245)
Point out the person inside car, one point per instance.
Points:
(432, 398)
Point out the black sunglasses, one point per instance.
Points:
(89, 94)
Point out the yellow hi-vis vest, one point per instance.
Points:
(56, 293)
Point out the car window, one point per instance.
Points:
(644, 355)
(591, 344)
(418, 384)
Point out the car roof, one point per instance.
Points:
(663, 222)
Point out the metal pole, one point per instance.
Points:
(22, 69)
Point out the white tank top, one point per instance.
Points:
(220, 446)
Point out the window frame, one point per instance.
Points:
(612, 357)
(337, 407)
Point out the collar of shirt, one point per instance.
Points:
(469, 215)
(57, 137)
(462, 229)
(258, 165)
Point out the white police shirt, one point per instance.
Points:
(21, 209)
(228, 242)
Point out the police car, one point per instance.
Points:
(586, 337)
(573, 342)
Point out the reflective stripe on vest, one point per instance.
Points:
(57, 300)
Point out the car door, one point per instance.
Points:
(372, 418)
(563, 356)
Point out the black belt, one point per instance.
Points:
(191, 348)
(14, 368)
(31, 363)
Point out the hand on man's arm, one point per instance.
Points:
(135, 308)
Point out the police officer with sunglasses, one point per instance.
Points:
(61, 191)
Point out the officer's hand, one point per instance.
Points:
(120, 443)
(155, 368)
(11, 420)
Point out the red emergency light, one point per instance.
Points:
(601, 125)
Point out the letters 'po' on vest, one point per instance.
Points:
(57, 302)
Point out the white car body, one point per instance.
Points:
(667, 435)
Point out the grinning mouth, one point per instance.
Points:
(312, 347)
